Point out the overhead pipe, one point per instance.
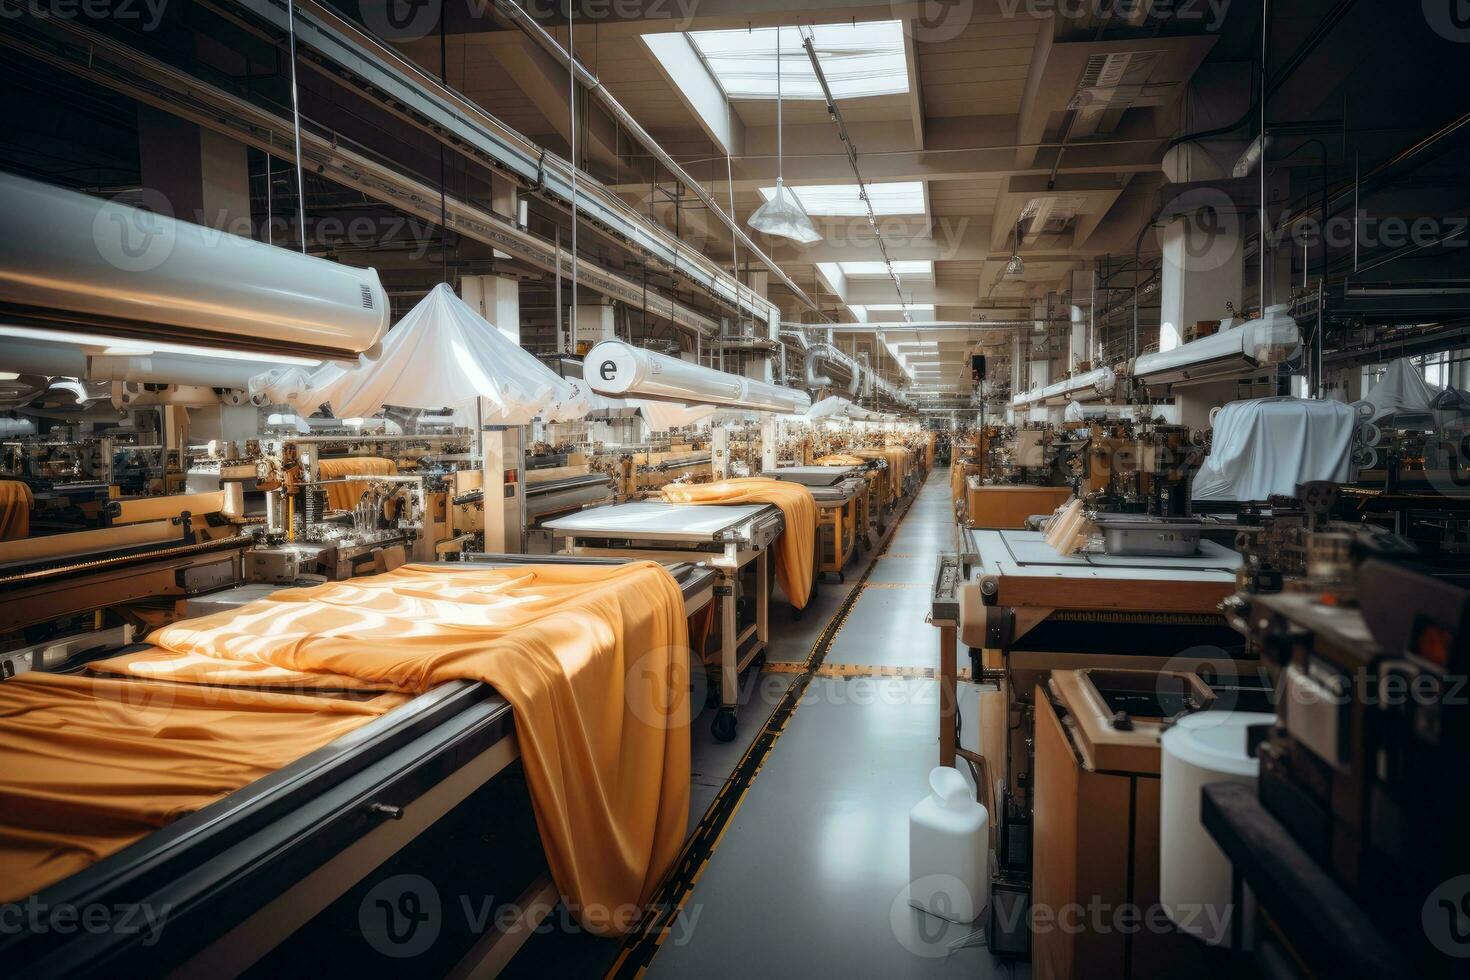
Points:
(537, 33)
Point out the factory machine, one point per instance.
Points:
(734, 540)
(842, 511)
(1354, 834)
(1137, 596)
(251, 879)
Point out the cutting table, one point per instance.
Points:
(842, 508)
(1023, 610)
(242, 875)
(732, 539)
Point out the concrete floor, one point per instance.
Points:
(810, 873)
(809, 877)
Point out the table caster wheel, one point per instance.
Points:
(842, 578)
(723, 725)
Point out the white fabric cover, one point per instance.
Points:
(828, 407)
(1402, 389)
(1073, 412)
(442, 353)
(1267, 446)
(662, 416)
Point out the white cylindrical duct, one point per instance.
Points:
(78, 259)
(179, 369)
(621, 370)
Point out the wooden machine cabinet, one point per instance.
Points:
(1095, 891)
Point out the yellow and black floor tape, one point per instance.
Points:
(640, 947)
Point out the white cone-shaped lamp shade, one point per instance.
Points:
(784, 216)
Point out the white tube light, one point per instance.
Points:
(621, 370)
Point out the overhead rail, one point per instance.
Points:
(343, 51)
(69, 45)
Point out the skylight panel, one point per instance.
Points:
(905, 268)
(842, 200)
(859, 60)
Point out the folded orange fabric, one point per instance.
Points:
(344, 496)
(16, 502)
(92, 764)
(796, 548)
(594, 660)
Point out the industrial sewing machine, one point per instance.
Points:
(1354, 844)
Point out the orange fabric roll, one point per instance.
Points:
(796, 548)
(16, 502)
(344, 496)
(93, 764)
(594, 660)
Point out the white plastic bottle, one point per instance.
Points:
(949, 850)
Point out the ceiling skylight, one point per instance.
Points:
(859, 60)
(842, 200)
(905, 268)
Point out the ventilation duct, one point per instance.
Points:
(620, 370)
(71, 260)
(1233, 352)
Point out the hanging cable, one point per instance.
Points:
(852, 159)
(572, 135)
(296, 126)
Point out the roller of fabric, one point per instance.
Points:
(344, 496)
(898, 465)
(15, 510)
(587, 656)
(796, 548)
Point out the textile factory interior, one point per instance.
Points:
(465, 512)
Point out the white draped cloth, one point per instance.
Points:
(441, 354)
(1401, 390)
(1267, 446)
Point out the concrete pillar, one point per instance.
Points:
(505, 202)
(595, 322)
(497, 299)
(1203, 269)
(202, 176)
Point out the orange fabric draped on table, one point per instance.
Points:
(594, 660)
(16, 502)
(841, 459)
(344, 496)
(94, 763)
(797, 546)
(898, 460)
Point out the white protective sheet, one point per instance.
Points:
(1401, 390)
(662, 416)
(1267, 446)
(442, 353)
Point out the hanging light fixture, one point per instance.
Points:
(1016, 266)
(783, 214)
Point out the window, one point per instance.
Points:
(904, 268)
(842, 200)
(859, 60)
